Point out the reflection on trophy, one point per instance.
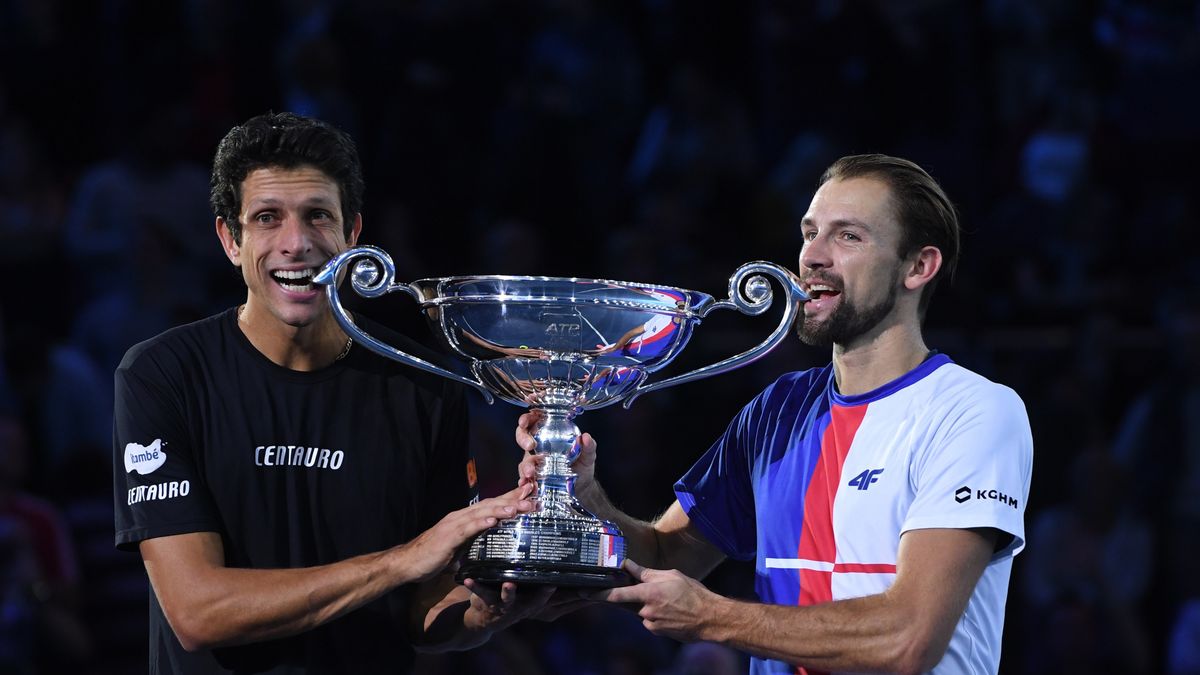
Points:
(559, 346)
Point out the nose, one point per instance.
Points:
(814, 254)
(294, 237)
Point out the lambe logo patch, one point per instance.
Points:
(144, 459)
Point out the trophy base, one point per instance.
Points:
(559, 546)
(542, 574)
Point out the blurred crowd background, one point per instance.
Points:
(665, 141)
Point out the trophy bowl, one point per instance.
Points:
(559, 346)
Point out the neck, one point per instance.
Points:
(301, 348)
(878, 358)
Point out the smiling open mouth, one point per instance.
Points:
(818, 291)
(296, 281)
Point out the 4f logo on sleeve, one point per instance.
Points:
(144, 458)
(863, 480)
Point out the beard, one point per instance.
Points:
(846, 323)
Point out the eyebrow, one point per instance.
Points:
(260, 202)
(839, 222)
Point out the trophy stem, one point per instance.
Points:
(559, 542)
(558, 440)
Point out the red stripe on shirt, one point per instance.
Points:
(816, 539)
(864, 568)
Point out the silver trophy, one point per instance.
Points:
(560, 346)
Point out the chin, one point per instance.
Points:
(815, 334)
(298, 319)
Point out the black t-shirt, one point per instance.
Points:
(292, 469)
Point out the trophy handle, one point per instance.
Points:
(373, 276)
(749, 295)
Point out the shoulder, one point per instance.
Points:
(961, 405)
(390, 368)
(791, 394)
(177, 345)
(400, 341)
(812, 377)
(799, 383)
(954, 386)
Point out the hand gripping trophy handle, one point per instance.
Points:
(559, 346)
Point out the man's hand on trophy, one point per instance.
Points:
(670, 603)
(439, 548)
(508, 603)
(584, 465)
(498, 607)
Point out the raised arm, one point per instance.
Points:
(671, 541)
(210, 605)
(905, 629)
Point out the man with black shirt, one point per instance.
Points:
(298, 502)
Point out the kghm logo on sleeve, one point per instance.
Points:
(965, 493)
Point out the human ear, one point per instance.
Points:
(923, 267)
(355, 231)
(228, 243)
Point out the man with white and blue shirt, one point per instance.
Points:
(881, 496)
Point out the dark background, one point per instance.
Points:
(659, 141)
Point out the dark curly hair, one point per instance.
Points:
(288, 141)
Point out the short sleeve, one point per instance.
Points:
(975, 470)
(157, 488)
(717, 493)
